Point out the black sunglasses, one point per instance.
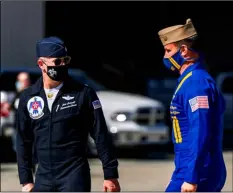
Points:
(59, 61)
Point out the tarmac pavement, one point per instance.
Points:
(135, 174)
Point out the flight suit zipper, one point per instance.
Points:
(50, 138)
(50, 145)
(50, 148)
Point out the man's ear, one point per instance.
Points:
(184, 50)
(41, 65)
(39, 62)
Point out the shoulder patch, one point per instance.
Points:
(96, 104)
(199, 102)
(35, 107)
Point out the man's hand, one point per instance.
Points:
(111, 185)
(186, 187)
(27, 187)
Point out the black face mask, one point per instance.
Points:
(57, 73)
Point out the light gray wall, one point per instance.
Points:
(22, 25)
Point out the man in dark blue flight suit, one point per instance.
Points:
(196, 110)
(56, 114)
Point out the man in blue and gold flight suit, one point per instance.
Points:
(196, 110)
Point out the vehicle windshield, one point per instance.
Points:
(8, 79)
(82, 77)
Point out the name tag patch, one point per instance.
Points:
(96, 104)
(199, 102)
(68, 105)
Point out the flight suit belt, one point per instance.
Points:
(58, 167)
(60, 155)
(71, 173)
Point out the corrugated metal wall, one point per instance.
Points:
(22, 24)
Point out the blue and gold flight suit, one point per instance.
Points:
(196, 110)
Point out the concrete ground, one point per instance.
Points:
(135, 174)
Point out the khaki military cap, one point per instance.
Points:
(177, 33)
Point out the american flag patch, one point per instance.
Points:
(199, 102)
(96, 104)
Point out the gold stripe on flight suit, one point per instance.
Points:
(174, 128)
(182, 81)
(177, 125)
(174, 63)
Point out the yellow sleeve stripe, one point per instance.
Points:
(177, 132)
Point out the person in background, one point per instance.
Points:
(23, 81)
(196, 110)
(4, 108)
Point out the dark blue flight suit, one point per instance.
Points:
(14, 108)
(60, 138)
(197, 110)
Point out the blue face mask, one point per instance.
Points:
(18, 86)
(175, 62)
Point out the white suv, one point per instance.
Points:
(132, 119)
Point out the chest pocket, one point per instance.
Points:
(66, 115)
(66, 110)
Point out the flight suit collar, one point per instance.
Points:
(38, 89)
(38, 86)
(196, 65)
